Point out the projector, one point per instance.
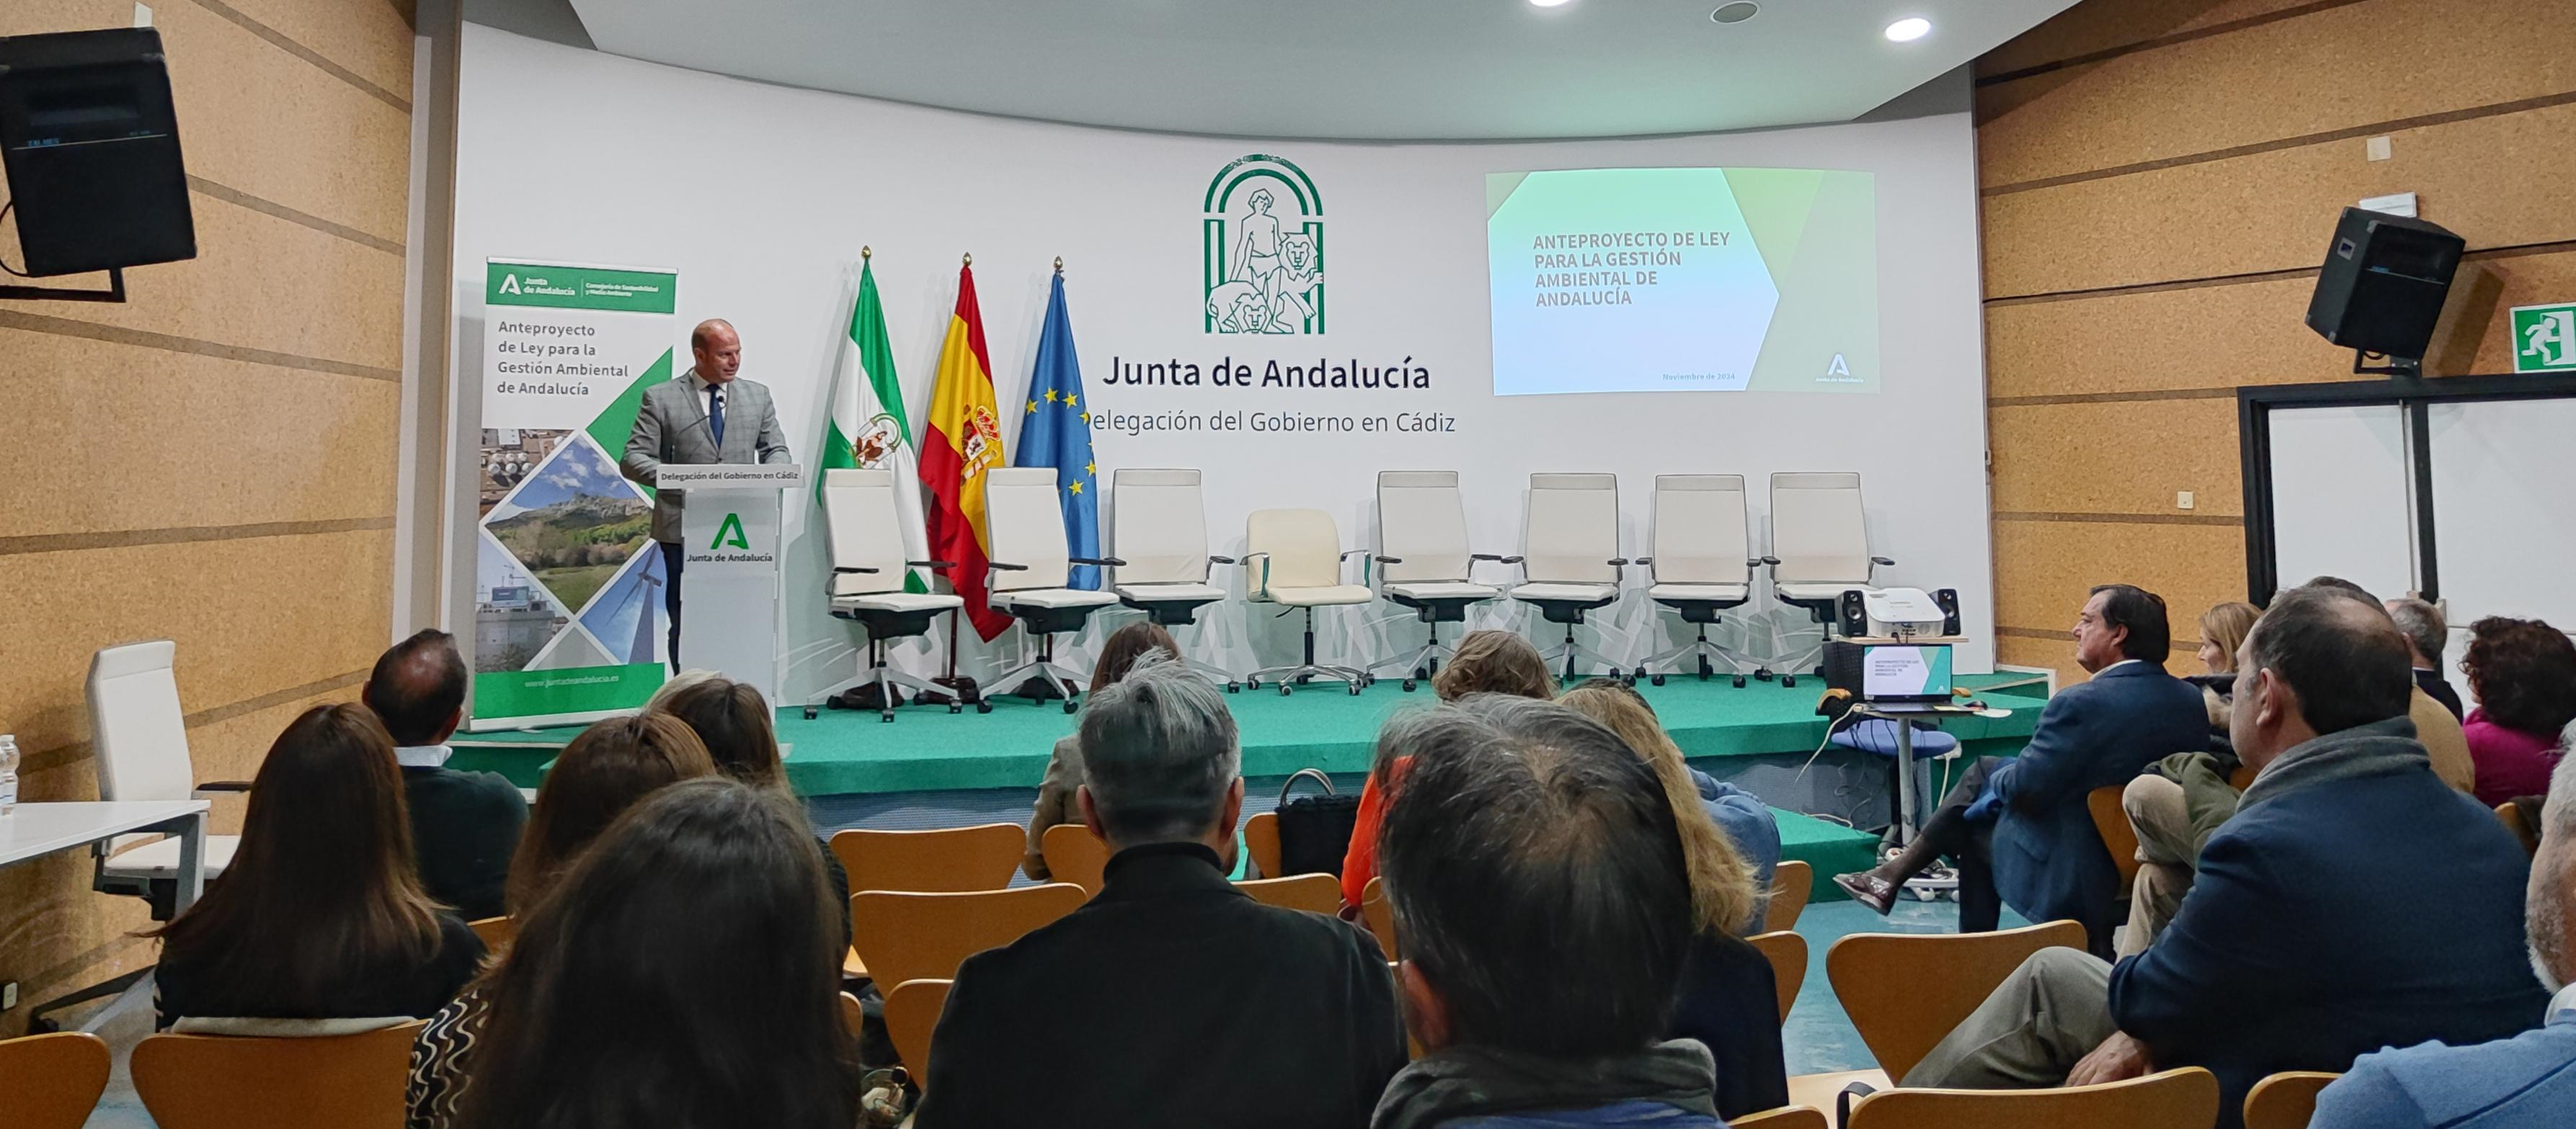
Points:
(1899, 613)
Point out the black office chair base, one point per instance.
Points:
(885, 679)
(1425, 662)
(1702, 649)
(1288, 678)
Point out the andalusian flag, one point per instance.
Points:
(965, 439)
(868, 428)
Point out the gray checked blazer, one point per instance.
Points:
(671, 427)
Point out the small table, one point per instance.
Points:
(1902, 718)
(36, 830)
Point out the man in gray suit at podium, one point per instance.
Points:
(707, 415)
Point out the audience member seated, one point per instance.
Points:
(321, 915)
(1487, 662)
(1171, 998)
(734, 722)
(2523, 674)
(1729, 997)
(2175, 804)
(1055, 803)
(2525, 1081)
(1536, 873)
(463, 824)
(2019, 829)
(2353, 902)
(684, 974)
(2427, 634)
(2436, 726)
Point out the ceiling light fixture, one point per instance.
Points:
(1549, 3)
(1909, 29)
(1736, 13)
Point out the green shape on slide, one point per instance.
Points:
(1499, 187)
(617, 421)
(1828, 296)
(1776, 204)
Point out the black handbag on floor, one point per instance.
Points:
(1314, 831)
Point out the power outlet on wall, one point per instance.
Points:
(2182, 499)
(8, 995)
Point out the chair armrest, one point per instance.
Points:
(1220, 560)
(931, 564)
(1494, 558)
(1354, 553)
(1384, 559)
(1253, 588)
(1882, 561)
(1111, 562)
(1618, 562)
(224, 786)
(837, 569)
(1772, 561)
(1758, 562)
(1006, 567)
(1646, 561)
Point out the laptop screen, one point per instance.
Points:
(1901, 672)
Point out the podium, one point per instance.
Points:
(732, 551)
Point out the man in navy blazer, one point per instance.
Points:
(2354, 901)
(2018, 828)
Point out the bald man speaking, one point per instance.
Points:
(707, 415)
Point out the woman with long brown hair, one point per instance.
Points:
(321, 913)
(1118, 655)
(735, 723)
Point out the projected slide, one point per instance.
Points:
(1683, 280)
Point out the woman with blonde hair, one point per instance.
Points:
(1486, 662)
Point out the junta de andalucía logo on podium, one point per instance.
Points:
(1262, 249)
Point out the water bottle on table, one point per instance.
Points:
(8, 774)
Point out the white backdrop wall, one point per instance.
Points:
(761, 196)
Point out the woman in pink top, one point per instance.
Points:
(2523, 673)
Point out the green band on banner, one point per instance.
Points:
(580, 288)
(579, 689)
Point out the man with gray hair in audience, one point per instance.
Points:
(1172, 998)
(1537, 879)
(2528, 1080)
(2426, 635)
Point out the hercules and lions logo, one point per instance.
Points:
(1262, 249)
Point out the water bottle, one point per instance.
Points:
(8, 774)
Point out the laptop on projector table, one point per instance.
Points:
(1905, 677)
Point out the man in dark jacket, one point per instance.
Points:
(464, 825)
(2288, 955)
(2019, 828)
(1171, 998)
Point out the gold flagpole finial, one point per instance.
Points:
(1059, 264)
(970, 258)
(864, 251)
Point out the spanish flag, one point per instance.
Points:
(965, 439)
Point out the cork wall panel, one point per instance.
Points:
(2058, 654)
(2046, 455)
(2476, 333)
(2043, 569)
(260, 282)
(34, 17)
(2158, 341)
(368, 38)
(304, 138)
(251, 617)
(2087, 29)
(2275, 211)
(2283, 79)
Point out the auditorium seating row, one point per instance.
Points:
(1570, 562)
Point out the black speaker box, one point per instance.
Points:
(91, 146)
(1947, 599)
(2383, 283)
(1850, 615)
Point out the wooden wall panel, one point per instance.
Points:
(2274, 211)
(31, 17)
(2158, 341)
(369, 38)
(2055, 564)
(2082, 30)
(2287, 78)
(2117, 458)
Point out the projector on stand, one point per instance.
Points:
(1898, 613)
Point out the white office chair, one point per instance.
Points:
(141, 741)
(1819, 550)
(868, 573)
(1570, 558)
(1293, 558)
(1158, 525)
(1423, 560)
(1030, 565)
(1702, 565)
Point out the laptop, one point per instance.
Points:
(1905, 674)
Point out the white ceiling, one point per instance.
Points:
(1394, 69)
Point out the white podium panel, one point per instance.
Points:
(729, 579)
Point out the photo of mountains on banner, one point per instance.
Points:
(568, 577)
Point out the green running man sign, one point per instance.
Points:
(2544, 338)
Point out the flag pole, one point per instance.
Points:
(964, 688)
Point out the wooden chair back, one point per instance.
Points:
(497, 932)
(2242, 778)
(1073, 854)
(2285, 1100)
(1785, 1117)
(1792, 883)
(1904, 991)
(905, 936)
(1318, 893)
(2111, 821)
(2510, 814)
(948, 860)
(854, 1015)
(1261, 840)
(1380, 918)
(226, 1082)
(1787, 952)
(2171, 1099)
(53, 1081)
(911, 1015)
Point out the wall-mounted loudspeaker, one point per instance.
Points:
(2383, 283)
(91, 146)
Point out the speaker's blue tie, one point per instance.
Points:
(715, 413)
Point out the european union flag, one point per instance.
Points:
(1056, 432)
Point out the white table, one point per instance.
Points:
(36, 830)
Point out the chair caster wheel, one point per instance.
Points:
(1640, 672)
(885, 715)
(1655, 679)
(1739, 682)
(1286, 689)
(1252, 684)
(1762, 675)
(1355, 689)
(1408, 685)
(955, 708)
(811, 713)
(1788, 680)
(1234, 687)
(1420, 674)
(983, 707)
(1071, 707)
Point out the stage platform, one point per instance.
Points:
(855, 769)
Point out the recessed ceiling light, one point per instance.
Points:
(1905, 30)
(1550, 3)
(1737, 12)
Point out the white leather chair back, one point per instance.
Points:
(1158, 525)
(1817, 531)
(1572, 529)
(1699, 530)
(1303, 549)
(139, 733)
(1422, 522)
(1027, 524)
(859, 511)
